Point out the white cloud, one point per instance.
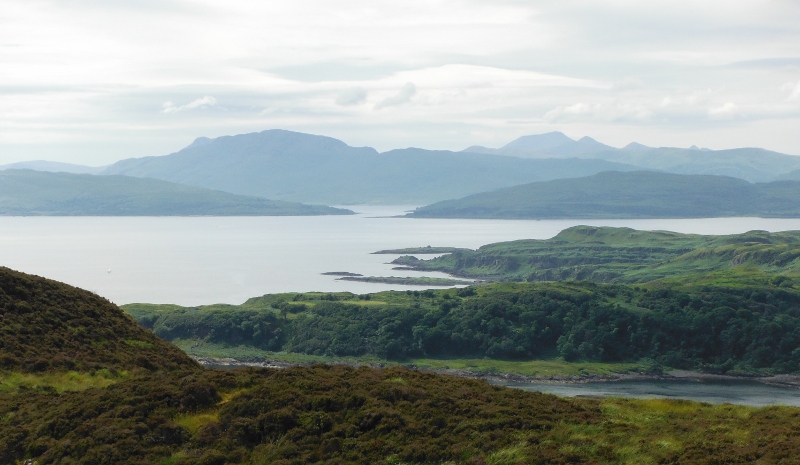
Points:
(207, 101)
(82, 72)
(353, 96)
(726, 110)
(795, 92)
(403, 96)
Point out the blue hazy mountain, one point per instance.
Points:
(53, 167)
(638, 194)
(30, 193)
(752, 164)
(293, 166)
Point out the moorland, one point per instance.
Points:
(80, 382)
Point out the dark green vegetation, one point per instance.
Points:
(340, 415)
(619, 255)
(736, 321)
(752, 164)
(46, 325)
(30, 193)
(300, 167)
(175, 412)
(637, 194)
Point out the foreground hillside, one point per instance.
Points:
(33, 193)
(46, 325)
(637, 194)
(174, 412)
(618, 255)
(287, 165)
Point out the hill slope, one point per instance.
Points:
(46, 325)
(619, 255)
(638, 194)
(752, 164)
(300, 167)
(28, 192)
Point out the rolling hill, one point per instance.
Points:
(47, 325)
(37, 193)
(619, 255)
(637, 194)
(300, 167)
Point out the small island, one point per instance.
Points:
(420, 250)
(409, 281)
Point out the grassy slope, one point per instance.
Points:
(604, 254)
(47, 326)
(353, 416)
(27, 192)
(638, 194)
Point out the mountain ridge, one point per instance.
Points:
(293, 166)
(40, 193)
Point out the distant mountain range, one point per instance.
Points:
(638, 194)
(31, 193)
(300, 167)
(53, 166)
(292, 166)
(752, 164)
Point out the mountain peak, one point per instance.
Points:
(544, 141)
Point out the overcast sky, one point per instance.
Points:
(94, 81)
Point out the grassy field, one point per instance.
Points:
(59, 381)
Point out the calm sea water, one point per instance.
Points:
(715, 392)
(203, 260)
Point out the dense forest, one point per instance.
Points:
(751, 325)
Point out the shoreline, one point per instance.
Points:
(784, 380)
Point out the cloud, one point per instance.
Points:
(353, 96)
(404, 96)
(726, 110)
(795, 93)
(207, 101)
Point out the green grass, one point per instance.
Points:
(60, 382)
(534, 368)
(552, 367)
(651, 431)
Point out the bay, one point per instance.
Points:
(204, 260)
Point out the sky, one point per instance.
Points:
(95, 81)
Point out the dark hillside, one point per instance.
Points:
(637, 194)
(38, 193)
(337, 415)
(46, 325)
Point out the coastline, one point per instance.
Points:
(783, 380)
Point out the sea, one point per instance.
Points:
(206, 260)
